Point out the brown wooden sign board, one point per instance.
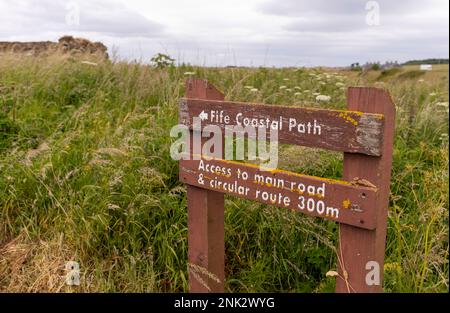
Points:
(336, 200)
(339, 130)
(358, 203)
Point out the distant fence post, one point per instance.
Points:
(359, 202)
(206, 243)
(361, 251)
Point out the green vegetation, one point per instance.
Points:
(86, 175)
(162, 60)
(427, 61)
(411, 74)
(389, 72)
(375, 67)
(8, 130)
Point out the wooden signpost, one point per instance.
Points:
(359, 202)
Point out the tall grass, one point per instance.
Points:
(86, 175)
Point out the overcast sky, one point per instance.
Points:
(241, 32)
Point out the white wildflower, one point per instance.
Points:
(283, 87)
(189, 73)
(442, 104)
(332, 274)
(323, 98)
(297, 94)
(254, 90)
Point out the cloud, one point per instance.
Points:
(352, 16)
(100, 17)
(340, 30)
(236, 32)
(326, 23)
(341, 7)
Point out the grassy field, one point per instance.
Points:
(86, 175)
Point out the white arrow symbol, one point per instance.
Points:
(203, 116)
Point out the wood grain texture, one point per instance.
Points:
(206, 243)
(362, 197)
(338, 130)
(335, 200)
(359, 246)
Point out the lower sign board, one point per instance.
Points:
(341, 201)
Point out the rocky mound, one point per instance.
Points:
(65, 45)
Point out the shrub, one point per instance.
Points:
(389, 72)
(375, 67)
(161, 60)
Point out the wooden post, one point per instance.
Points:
(359, 246)
(206, 243)
(365, 133)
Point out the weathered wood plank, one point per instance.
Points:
(360, 251)
(206, 242)
(339, 130)
(341, 201)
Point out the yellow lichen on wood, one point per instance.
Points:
(346, 204)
